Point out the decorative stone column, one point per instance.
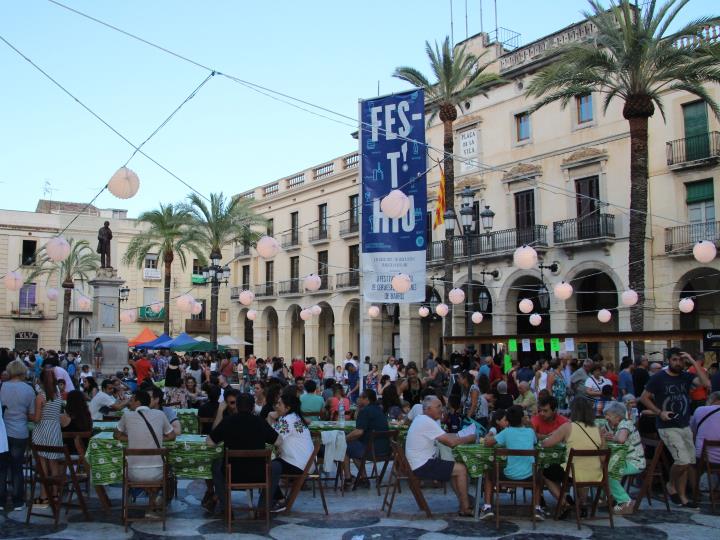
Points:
(105, 323)
(411, 338)
(312, 338)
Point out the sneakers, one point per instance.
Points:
(624, 509)
(486, 512)
(278, 506)
(19, 506)
(540, 514)
(691, 505)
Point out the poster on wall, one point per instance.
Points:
(392, 156)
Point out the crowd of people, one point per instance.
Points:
(248, 403)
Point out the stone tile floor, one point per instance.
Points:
(357, 516)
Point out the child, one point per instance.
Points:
(453, 418)
(498, 421)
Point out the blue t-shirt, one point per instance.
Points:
(672, 393)
(484, 370)
(625, 383)
(517, 438)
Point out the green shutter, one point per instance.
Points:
(197, 279)
(700, 191)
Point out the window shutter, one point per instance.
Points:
(700, 191)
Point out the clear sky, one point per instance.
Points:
(227, 138)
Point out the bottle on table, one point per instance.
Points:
(341, 412)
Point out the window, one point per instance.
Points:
(322, 218)
(223, 316)
(701, 209)
(150, 295)
(294, 224)
(246, 276)
(354, 257)
(200, 316)
(294, 268)
(270, 227)
(354, 210)
(151, 261)
(476, 217)
(269, 272)
(697, 139)
(322, 263)
(525, 216)
(522, 127)
(584, 108)
(29, 247)
(588, 207)
(197, 267)
(27, 298)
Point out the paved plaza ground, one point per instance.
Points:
(357, 516)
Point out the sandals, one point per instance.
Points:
(466, 513)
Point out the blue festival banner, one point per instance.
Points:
(392, 150)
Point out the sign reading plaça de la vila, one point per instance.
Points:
(392, 149)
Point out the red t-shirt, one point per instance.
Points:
(542, 427)
(143, 367)
(495, 373)
(298, 368)
(613, 378)
(252, 366)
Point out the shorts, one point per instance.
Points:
(679, 442)
(356, 449)
(505, 478)
(435, 469)
(554, 473)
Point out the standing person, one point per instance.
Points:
(142, 368)
(611, 376)
(17, 403)
(98, 353)
(540, 380)
(625, 379)
(353, 381)
(328, 371)
(556, 384)
(297, 367)
(594, 384)
(372, 379)
(390, 369)
(641, 374)
(474, 404)
(671, 390)
(526, 399)
(579, 378)
(699, 394)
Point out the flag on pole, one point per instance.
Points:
(440, 206)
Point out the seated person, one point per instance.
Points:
(370, 418)
(503, 400)
(453, 417)
(547, 418)
(156, 403)
(333, 404)
(104, 401)
(705, 424)
(526, 399)
(604, 398)
(311, 402)
(76, 419)
(241, 431)
(209, 409)
(514, 437)
(230, 401)
(498, 421)
(421, 452)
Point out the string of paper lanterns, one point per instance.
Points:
(604, 315)
(395, 204)
(124, 184)
(267, 247)
(312, 282)
(563, 290)
(53, 293)
(84, 303)
(686, 305)
(535, 319)
(251, 314)
(156, 307)
(57, 249)
(423, 311)
(704, 251)
(456, 296)
(526, 305)
(401, 283)
(246, 297)
(128, 315)
(185, 302)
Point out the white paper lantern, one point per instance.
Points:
(312, 282)
(156, 307)
(477, 317)
(128, 315)
(525, 257)
(251, 314)
(442, 309)
(13, 281)
(53, 294)
(629, 298)
(124, 183)
(267, 247)
(423, 312)
(84, 303)
(456, 296)
(704, 251)
(316, 310)
(196, 308)
(535, 319)
(57, 249)
(374, 312)
(401, 283)
(604, 315)
(185, 303)
(686, 305)
(246, 297)
(395, 204)
(526, 305)
(305, 314)
(563, 290)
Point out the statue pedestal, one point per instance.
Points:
(105, 322)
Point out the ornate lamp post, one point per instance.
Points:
(216, 274)
(123, 295)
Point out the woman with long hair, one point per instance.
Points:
(76, 418)
(391, 404)
(475, 406)
(333, 404)
(192, 390)
(90, 388)
(47, 432)
(175, 393)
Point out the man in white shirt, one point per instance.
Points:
(421, 452)
(390, 369)
(350, 358)
(104, 398)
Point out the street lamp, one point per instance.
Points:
(543, 294)
(215, 274)
(123, 295)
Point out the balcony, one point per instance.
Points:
(588, 231)
(351, 161)
(265, 290)
(679, 241)
(349, 227)
(290, 240)
(145, 314)
(495, 245)
(291, 287)
(27, 311)
(242, 251)
(319, 235)
(235, 292)
(695, 151)
(197, 326)
(347, 280)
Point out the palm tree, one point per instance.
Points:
(458, 76)
(78, 266)
(633, 58)
(222, 222)
(169, 233)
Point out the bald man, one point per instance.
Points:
(526, 399)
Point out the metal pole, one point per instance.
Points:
(468, 316)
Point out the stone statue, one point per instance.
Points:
(104, 237)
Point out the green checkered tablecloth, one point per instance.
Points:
(618, 459)
(478, 458)
(188, 421)
(189, 457)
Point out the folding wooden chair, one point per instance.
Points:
(238, 456)
(652, 473)
(569, 481)
(709, 467)
(311, 472)
(147, 485)
(499, 483)
(401, 471)
(54, 484)
(77, 466)
(375, 458)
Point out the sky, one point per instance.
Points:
(227, 138)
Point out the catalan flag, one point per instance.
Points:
(440, 206)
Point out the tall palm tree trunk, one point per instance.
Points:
(214, 291)
(448, 165)
(65, 318)
(167, 263)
